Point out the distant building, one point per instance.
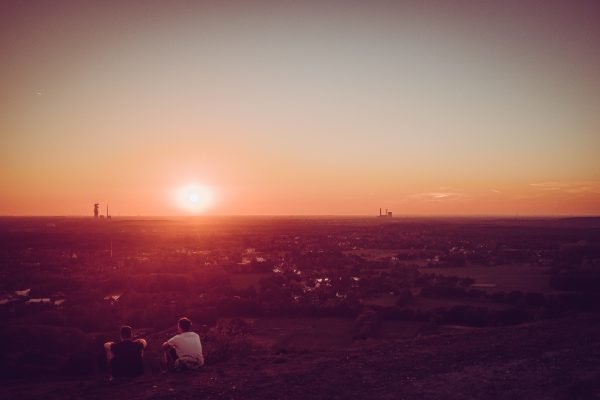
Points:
(113, 298)
(42, 300)
(97, 214)
(8, 298)
(388, 214)
(23, 293)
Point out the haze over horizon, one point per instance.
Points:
(300, 108)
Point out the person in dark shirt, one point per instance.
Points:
(126, 358)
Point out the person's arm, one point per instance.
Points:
(108, 345)
(169, 344)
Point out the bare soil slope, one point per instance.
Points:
(557, 359)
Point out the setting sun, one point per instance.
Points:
(194, 198)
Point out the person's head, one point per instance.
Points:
(125, 332)
(184, 324)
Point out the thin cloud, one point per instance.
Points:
(568, 187)
(439, 196)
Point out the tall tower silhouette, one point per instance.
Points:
(96, 205)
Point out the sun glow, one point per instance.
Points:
(195, 198)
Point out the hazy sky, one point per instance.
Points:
(314, 107)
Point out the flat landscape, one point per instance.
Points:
(289, 307)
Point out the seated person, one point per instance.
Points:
(126, 358)
(184, 350)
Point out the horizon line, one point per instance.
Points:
(375, 216)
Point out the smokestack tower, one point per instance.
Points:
(96, 205)
(388, 214)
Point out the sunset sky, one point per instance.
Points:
(300, 108)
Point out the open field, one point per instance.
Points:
(522, 277)
(246, 281)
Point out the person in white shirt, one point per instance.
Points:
(184, 350)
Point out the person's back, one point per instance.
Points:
(127, 361)
(184, 350)
(126, 358)
(187, 344)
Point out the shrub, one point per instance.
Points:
(366, 324)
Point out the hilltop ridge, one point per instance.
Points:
(549, 359)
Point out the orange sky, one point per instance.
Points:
(312, 108)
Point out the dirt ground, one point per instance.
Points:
(557, 359)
